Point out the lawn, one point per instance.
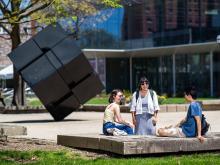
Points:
(69, 158)
(104, 100)
(171, 100)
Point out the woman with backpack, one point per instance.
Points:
(144, 109)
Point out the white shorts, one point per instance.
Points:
(174, 132)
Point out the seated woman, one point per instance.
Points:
(113, 124)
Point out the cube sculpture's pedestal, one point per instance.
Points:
(57, 71)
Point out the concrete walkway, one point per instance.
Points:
(44, 127)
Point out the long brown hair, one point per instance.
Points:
(113, 94)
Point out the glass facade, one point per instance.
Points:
(190, 69)
(166, 75)
(99, 66)
(216, 74)
(145, 67)
(152, 23)
(157, 69)
(117, 74)
(193, 69)
(156, 24)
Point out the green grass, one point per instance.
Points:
(98, 100)
(104, 100)
(176, 100)
(34, 102)
(69, 158)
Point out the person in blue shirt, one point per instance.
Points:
(190, 126)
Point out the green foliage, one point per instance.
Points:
(161, 99)
(74, 9)
(128, 96)
(34, 102)
(70, 158)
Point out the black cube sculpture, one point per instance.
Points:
(57, 71)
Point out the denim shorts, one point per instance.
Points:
(122, 127)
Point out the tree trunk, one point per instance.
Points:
(19, 94)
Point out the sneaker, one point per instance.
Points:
(117, 132)
(110, 131)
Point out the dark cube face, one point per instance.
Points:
(50, 36)
(19, 56)
(38, 71)
(73, 73)
(66, 107)
(57, 71)
(66, 50)
(88, 88)
(52, 89)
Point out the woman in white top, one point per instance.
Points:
(113, 124)
(144, 108)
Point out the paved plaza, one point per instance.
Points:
(44, 127)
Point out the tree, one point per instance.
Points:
(14, 13)
(75, 12)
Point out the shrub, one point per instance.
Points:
(161, 99)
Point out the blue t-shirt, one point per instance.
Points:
(189, 127)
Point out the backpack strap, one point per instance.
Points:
(137, 95)
(152, 94)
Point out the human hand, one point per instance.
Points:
(131, 125)
(154, 120)
(201, 138)
(134, 122)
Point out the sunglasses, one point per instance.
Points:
(121, 96)
(145, 82)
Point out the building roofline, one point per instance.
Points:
(155, 51)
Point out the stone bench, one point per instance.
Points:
(11, 130)
(138, 145)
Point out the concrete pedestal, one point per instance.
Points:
(137, 145)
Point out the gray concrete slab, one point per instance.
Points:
(43, 126)
(12, 130)
(136, 145)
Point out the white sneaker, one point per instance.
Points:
(117, 132)
(110, 131)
